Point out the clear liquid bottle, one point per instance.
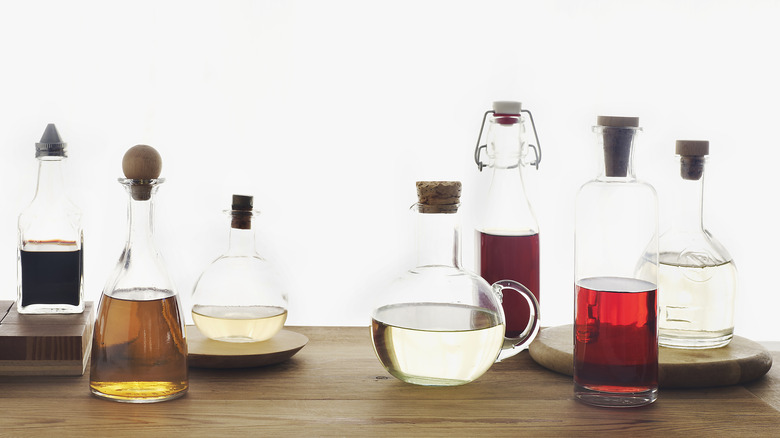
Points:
(139, 350)
(507, 235)
(239, 297)
(697, 278)
(50, 273)
(438, 324)
(615, 320)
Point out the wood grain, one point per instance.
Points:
(335, 386)
(45, 344)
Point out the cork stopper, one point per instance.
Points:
(142, 164)
(438, 196)
(618, 133)
(241, 212)
(692, 153)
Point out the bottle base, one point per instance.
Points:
(138, 392)
(610, 399)
(49, 309)
(694, 340)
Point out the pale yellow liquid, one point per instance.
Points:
(696, 305)
(239, 323)
(436, 344)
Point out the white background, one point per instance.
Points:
(328, 111)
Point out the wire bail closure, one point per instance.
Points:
(536, 148)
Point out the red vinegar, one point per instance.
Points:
(511, 258)
(616, 337)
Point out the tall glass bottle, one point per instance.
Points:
(507, 235)
(239, 297)
(697, 278)
(615, 316)
(438, 324)
(50, 251)
(139, 351)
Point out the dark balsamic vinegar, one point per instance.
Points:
(51, 277)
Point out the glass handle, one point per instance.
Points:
(532, 328)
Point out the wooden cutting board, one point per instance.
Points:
(741, 361)
(53, 345)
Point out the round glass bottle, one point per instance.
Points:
(139, 350)
(50, 262)
(239, 297)
(615, 319)
(507, 235)
(438, 324)
(697, 278)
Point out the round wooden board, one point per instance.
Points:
(208, 353)
(741, 361)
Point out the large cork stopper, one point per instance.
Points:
(241, 212)
(618, 135)
(141, 164)
(438, 196)
(692, 153)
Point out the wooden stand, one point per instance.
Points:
(741, 361)
(52, 345)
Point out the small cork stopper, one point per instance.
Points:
(618, 135)
(142, 163)
(692, 153)
(438, 196)
(241, 212)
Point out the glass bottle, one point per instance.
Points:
(697, 279)
(615, 319)
(507, 235)
(50, 273)
(139, 350)
(438, 324)
(239, 297)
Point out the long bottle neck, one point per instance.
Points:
(141, 227)
(507, 208)
(438, 239)
(51, 179)
(691, 205)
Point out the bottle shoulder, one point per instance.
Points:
(695, 248)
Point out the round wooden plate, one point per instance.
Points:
(208, 353)
(741, 361)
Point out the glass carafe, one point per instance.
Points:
(615, 321)
(507, 234)
(50, 267)
(697, 278)
(139, 350)
(438, 324)
(240, 297)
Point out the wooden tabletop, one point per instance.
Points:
(335, 386)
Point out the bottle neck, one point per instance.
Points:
(141, 225)
(438, 239)
(691, 205)
(505, 143)
(51, 179)
(241, 242)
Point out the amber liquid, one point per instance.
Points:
(139, 352)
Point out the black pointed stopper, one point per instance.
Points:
(51, 144)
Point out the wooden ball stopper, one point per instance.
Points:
(142, 164)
